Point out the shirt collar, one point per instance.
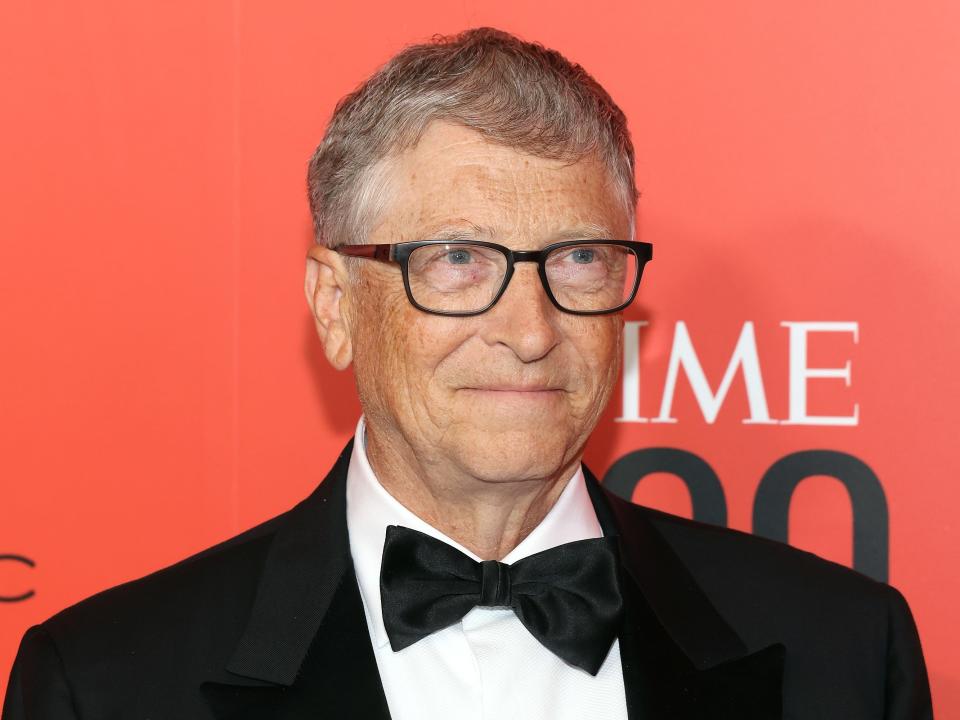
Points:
(370, 508)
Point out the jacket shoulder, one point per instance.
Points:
(744, 573)
(826, 615)
(212, 589)
(746, 556)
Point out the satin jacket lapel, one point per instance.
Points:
(681, 660)
(306, 651)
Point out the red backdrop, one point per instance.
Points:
(162, 387)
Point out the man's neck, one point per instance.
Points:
(489, 518)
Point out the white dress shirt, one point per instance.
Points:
(487, 666)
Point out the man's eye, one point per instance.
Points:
(460, 256)
(583, 255)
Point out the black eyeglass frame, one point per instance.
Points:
(399, 253)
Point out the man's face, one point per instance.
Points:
(510, 394)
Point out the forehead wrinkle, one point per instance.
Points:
(539, 223)
(523, 200)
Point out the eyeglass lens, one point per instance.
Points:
(466, 278)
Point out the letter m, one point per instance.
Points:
(683, 355)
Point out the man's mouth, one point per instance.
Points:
(515, 389)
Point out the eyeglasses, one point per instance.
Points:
(467, 277)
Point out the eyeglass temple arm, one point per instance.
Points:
(377, 252)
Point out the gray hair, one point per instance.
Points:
(515, 93)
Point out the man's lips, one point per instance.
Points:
(531, 389)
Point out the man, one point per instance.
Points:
(474, 210)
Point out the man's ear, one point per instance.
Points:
(325, 282)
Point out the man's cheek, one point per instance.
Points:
(602, 350)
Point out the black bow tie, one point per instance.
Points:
(568, 597)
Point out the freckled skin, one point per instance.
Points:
(482, 466)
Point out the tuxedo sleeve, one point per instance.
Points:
(907, 686)
(38, 688)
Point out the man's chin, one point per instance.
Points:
(510, 455)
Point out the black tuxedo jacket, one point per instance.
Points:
(269, 624)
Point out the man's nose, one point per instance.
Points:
(523, 319)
